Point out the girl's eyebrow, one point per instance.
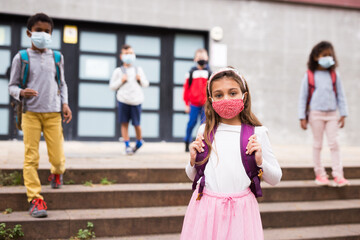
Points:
(217, 91)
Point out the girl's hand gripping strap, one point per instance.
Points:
(200, 169)
(252, 170)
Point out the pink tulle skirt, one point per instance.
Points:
(220, 216)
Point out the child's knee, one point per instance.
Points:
(334, 146)
(317, 146)
(124, 124)
(31, 161)
(31, 154)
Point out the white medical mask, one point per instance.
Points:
(326, 62)
(128, 58)
(41, 40)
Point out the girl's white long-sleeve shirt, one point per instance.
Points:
(224, 172)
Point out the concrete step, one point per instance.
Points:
(307, 173)
(314, 213)
(162, 194)
(328, 232)
(165, 220)
(120, 175)
(175, 236)
(107, 222)
(290, 191)
(101, 196)
(164, 175)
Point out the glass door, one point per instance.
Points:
(96, 102)
(185, 46)
(5, 57)
(165, 55)
(148, 52)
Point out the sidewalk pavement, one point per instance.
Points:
(154, 155)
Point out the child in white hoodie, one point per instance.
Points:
(128, 81)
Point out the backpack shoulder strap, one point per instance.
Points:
(24, 76)
(252, 170)
(311, 80)
(200, 169)
(190, 77)
(209, 75)
(123, 70)
(311, 85)
(57, 59)
(333, 79)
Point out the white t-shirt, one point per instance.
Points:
(225, 173)
(130, 92)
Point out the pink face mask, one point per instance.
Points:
(228, 108)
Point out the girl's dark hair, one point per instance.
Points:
(39, 17)
(213, 119)
(317, 49)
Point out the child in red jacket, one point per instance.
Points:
(195, 92)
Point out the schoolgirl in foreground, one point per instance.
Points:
(223, 206)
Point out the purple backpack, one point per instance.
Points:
(252, 170)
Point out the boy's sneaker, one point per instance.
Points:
(138, 145)
(322, 180)
(129, 151)
(56, 180)
(38, 208)
(340, 182)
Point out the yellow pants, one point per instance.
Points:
(33, 124)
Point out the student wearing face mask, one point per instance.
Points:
(128, 80)
(37, 80)
(195, 92)
(321, 95)
(231, 154)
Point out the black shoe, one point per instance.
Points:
(38, 208)
(187, 147)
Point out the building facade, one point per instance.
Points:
(269, 41)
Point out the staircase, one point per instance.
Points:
(147, 203)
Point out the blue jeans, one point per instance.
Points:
(195, 112)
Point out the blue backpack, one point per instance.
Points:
(19, 106)
(24, 58)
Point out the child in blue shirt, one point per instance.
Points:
(321, 95)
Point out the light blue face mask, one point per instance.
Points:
(326, 62)
(128, 58)
(41, 40)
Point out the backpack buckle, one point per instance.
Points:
(260, 173)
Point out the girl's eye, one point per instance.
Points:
(233, 93)
(218, 95)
